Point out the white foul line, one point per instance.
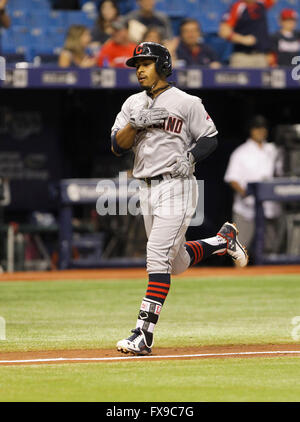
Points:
(267, 352)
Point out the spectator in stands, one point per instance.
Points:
(144, 17)
(74, 51)
(4, 18)
(286, 42)
(253, 161)
(246, 26)
(118, 48)
(191, 49)
(153, 34)
(108, 12)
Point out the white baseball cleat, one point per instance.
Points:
(238, 253)
(135, 344)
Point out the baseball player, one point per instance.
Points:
(169, 131)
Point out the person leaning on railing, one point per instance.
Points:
(246, 27)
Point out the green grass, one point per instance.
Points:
(91, 314)
(258, 379)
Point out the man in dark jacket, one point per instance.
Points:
(246, 26)
(191, 49)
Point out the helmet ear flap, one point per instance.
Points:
(163, 67)
(167, 68)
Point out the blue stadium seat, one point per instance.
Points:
(89, 20)
(222, 48)
(57, 18)
(208, 12)
(173, 8)
(273, 22)
(18, 17)
(48, 19)
(126, 6)
(206, 6)
(16, 40)
(39, 4)
(38, 19)
(17, 5)
(56, 38)
(8, 43)
(210, 20)
(76, 18)
(40, 42)
(28, 5)
(290, 4)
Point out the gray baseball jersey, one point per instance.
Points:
(157, 148)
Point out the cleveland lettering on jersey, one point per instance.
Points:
(172, 124)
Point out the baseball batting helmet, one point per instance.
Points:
(152, 50)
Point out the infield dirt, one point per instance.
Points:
(127, 273)
(187, 353)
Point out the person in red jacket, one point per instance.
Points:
(246, 27)
(118, 48)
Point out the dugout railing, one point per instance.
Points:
(284, 190)
(74, 192)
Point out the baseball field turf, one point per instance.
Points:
(73, 316)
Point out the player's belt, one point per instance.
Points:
(159, 177)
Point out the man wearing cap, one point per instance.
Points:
(118, 48)
(246, 27)
(253, 161)
(286, 42)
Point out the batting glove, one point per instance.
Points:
(148, 117)
(184, 166)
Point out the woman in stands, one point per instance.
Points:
(74, 51)
(102, 30)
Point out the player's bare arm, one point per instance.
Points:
(125, 137)
(226, 32)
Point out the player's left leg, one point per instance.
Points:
(173, 205)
